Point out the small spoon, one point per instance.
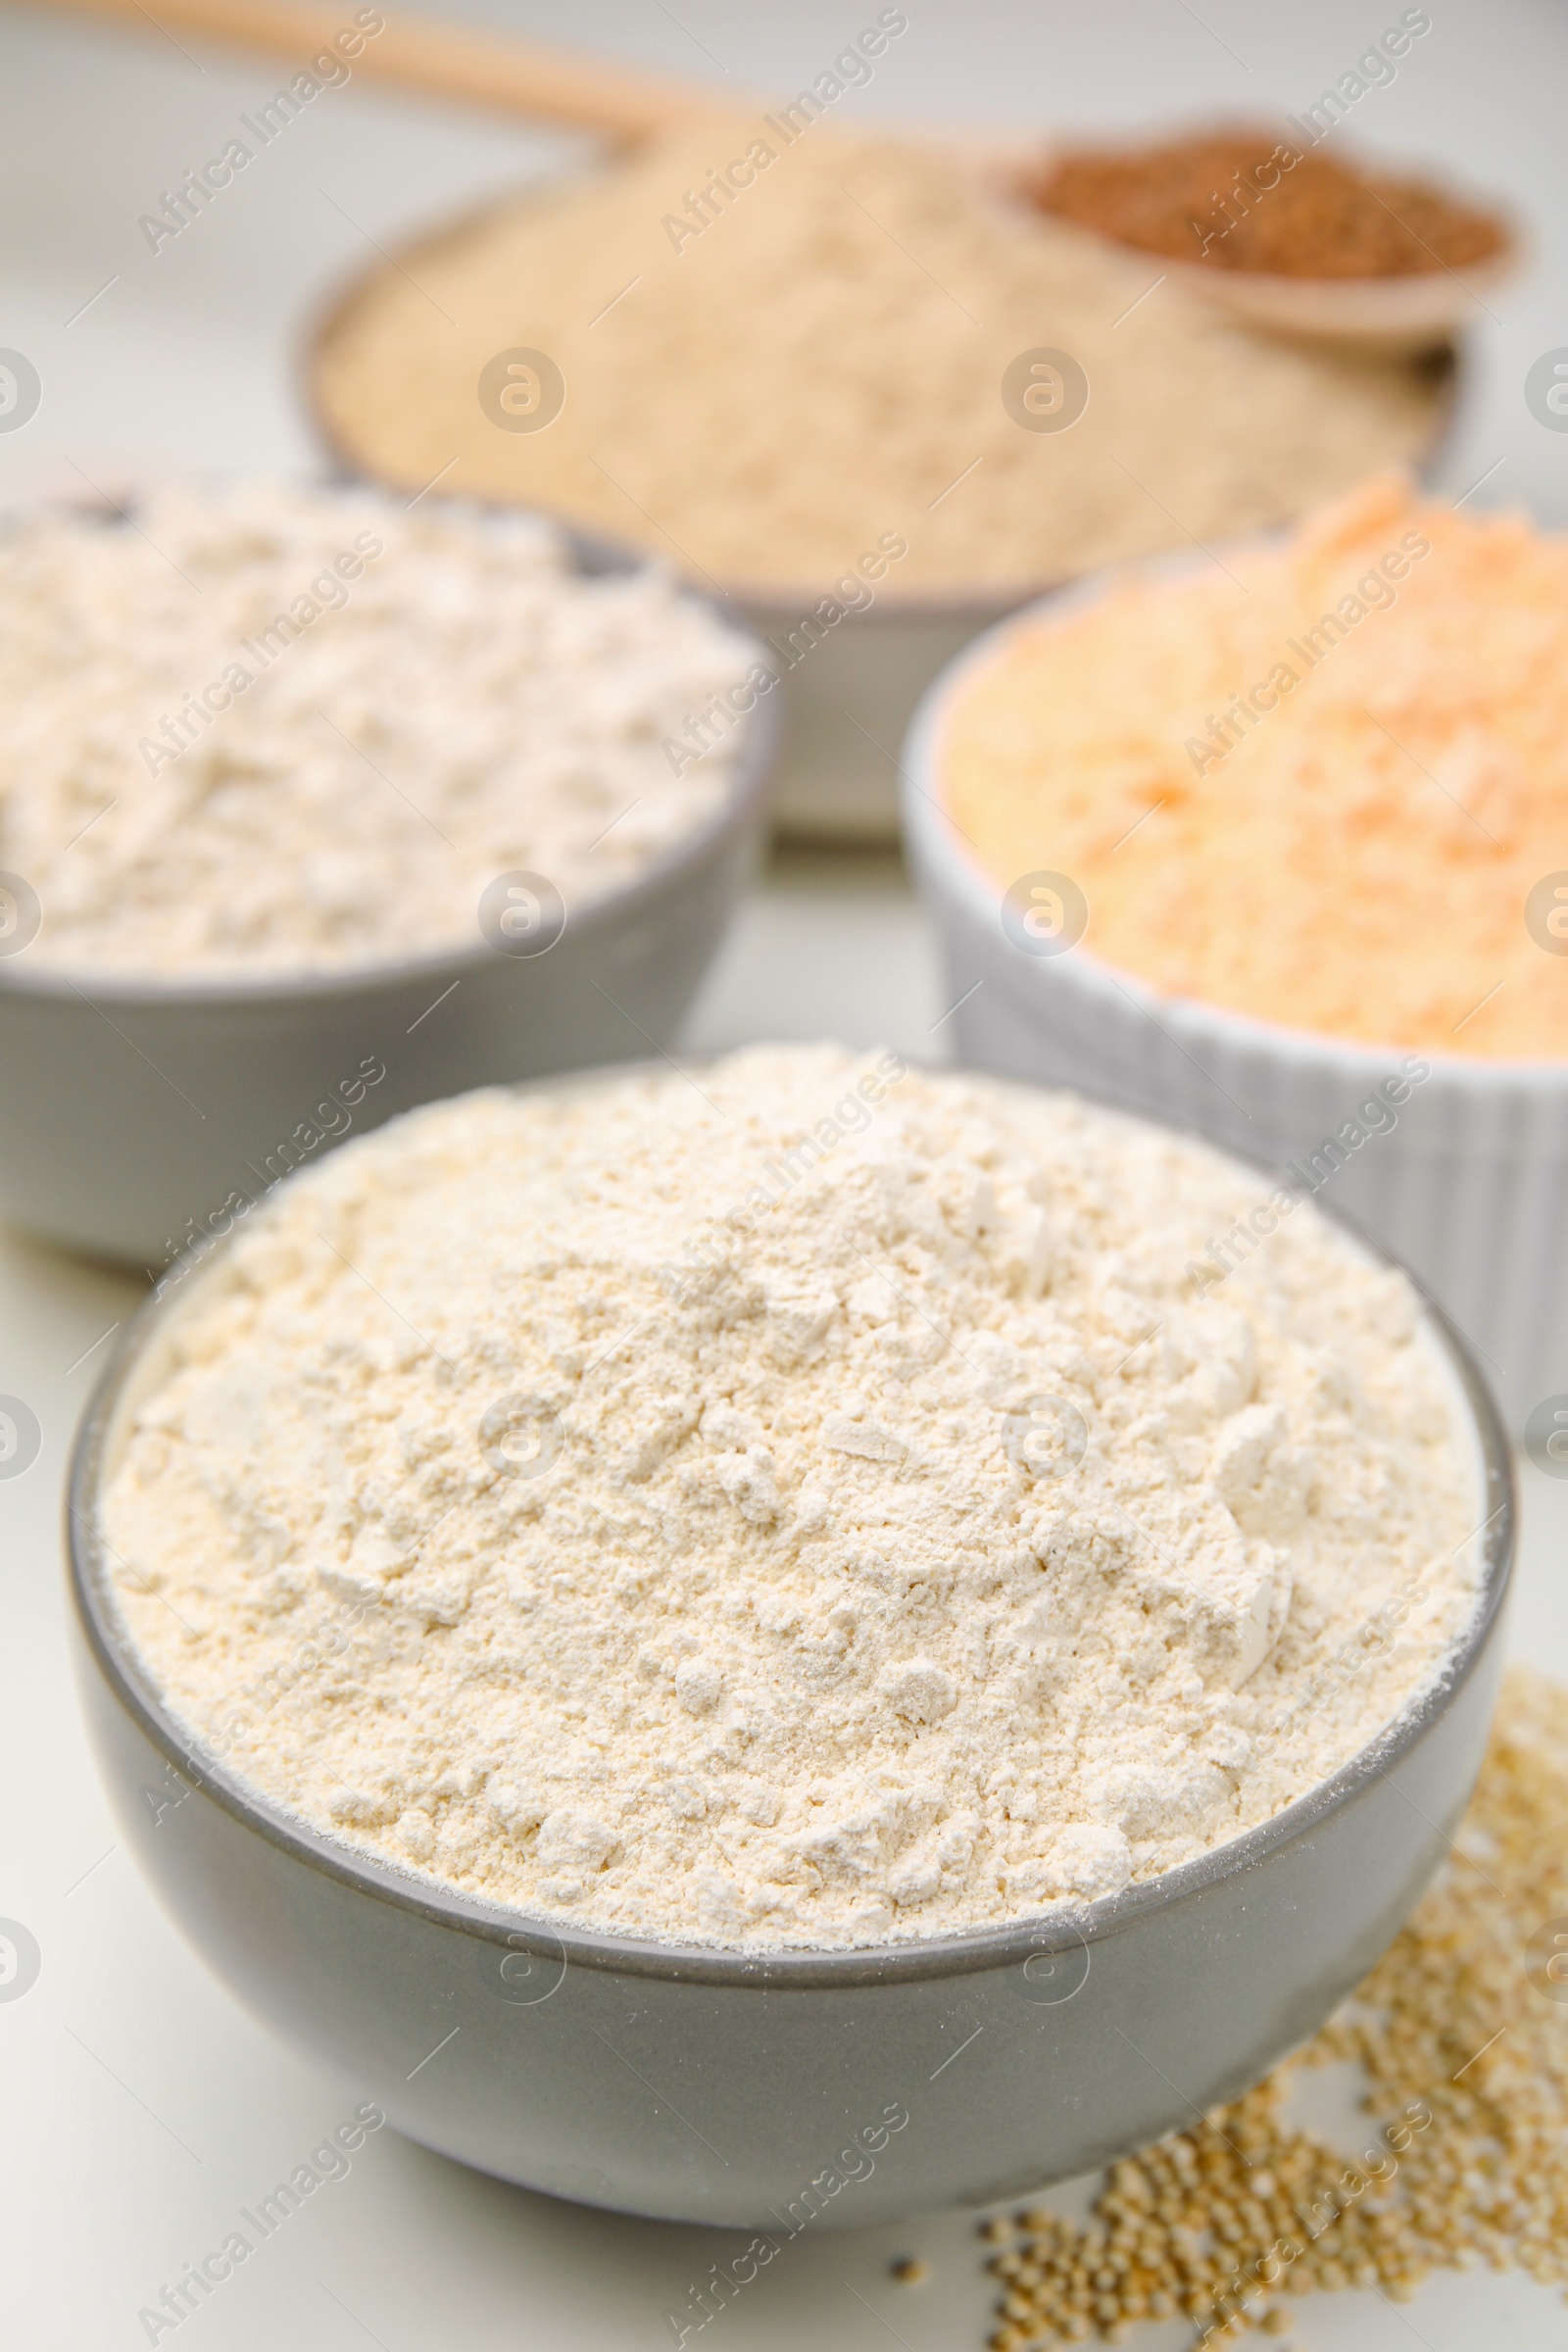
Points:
(1394, 315)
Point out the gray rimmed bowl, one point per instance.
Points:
(779, 2091)
(145, 1115)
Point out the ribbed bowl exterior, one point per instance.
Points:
(1466, 1179)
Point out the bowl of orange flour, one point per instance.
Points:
(588, 1557)
(1274, 841)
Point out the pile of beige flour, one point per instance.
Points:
(639, 1500)
(832, 359)
(264, 727)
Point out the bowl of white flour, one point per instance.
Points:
(313, 806)
(770, 1617)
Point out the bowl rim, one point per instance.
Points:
(767, 601)
(1064, 1928)
(1486, 274)
(940, 848)
(757, 737)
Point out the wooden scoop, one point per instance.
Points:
(548, 85)
(517, 77)
(1394, 315)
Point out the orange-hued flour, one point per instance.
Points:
(1316, 781)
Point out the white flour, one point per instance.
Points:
(802, 1621)
(276, 727)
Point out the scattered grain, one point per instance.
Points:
(1482, 2176)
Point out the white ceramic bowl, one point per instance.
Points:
(1463, 1174)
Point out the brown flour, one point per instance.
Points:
(823, 362)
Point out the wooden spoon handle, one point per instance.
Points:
(444, 61)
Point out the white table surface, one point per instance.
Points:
(141, 2106)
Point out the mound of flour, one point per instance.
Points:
(807, 1503)
(265, 726)
(762, 398)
